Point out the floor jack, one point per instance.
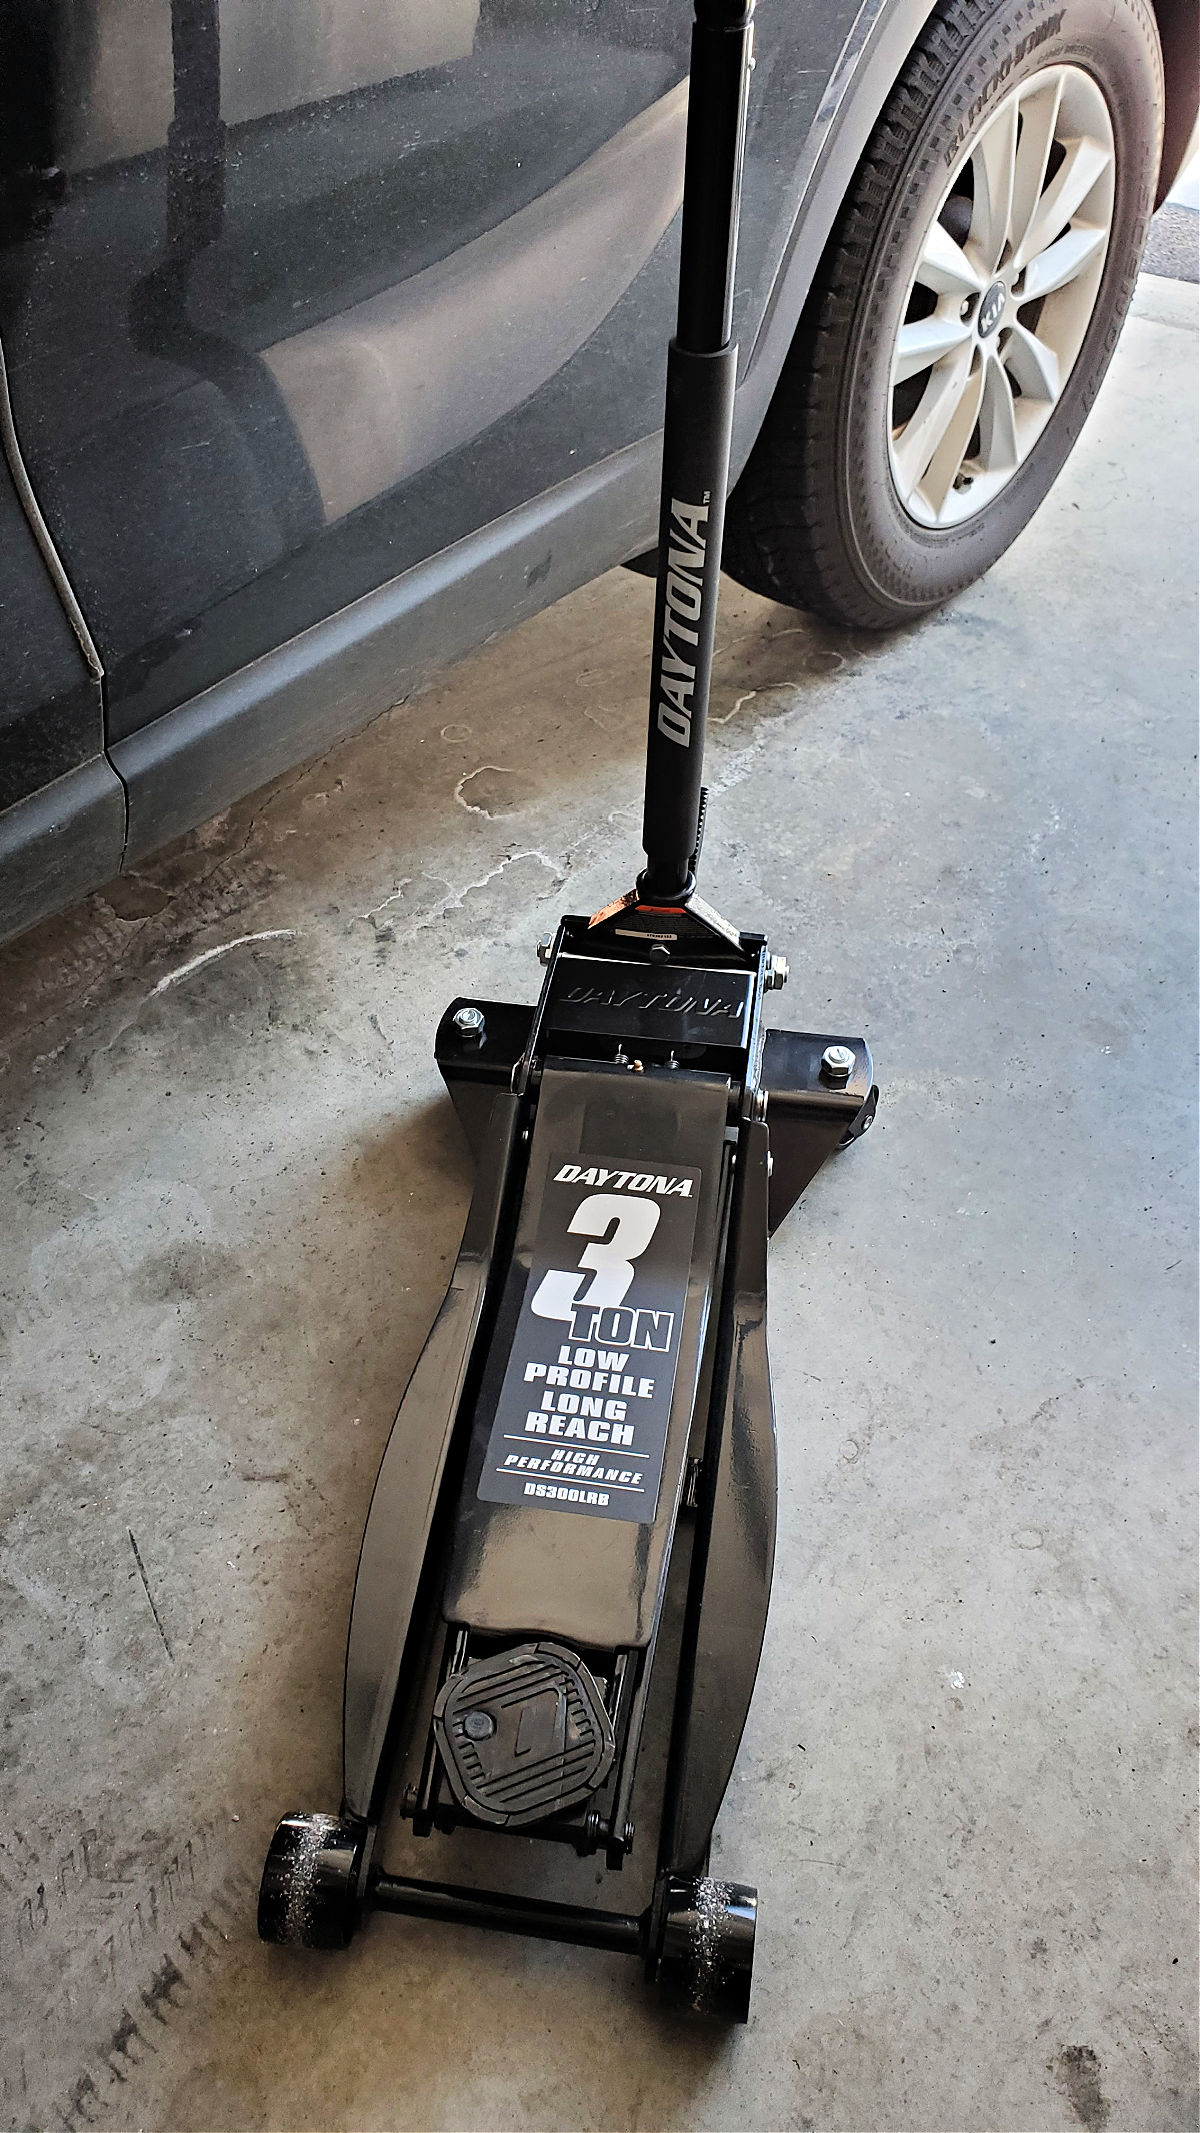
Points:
(597, 1379)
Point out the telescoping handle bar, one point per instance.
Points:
(701, 372)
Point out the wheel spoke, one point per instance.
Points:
(1061, 261)
(997, 420)
(939, 475)
(1033, 364)
(923, 342)
(1084, 163)
(917, 443)
(944, 266)
(994, 165)
(1039, 116)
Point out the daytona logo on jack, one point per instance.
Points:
(684, 601)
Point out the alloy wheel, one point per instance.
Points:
(1004, 289)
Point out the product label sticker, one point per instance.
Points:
(581, 1423)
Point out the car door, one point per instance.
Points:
(301, 288)
(337, 333)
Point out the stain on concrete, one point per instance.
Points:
(184, 1272)
(1079, 2073)
(130, 897)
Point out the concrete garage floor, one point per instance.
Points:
(233, 1190)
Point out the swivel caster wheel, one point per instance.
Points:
(702, 1945)
(311, 1891)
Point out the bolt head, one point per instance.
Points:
(545, 949)
(777, 972)
(837, 1062)
(469, 1022)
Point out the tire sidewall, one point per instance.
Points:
(899, 562)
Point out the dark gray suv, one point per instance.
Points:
(334, 338)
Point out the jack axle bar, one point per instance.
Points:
(618, 1931)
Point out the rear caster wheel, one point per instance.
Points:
(861, 1124)
(310, 1894)
(702, 1948)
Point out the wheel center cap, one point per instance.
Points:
(991, 309)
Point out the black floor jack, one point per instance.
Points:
(596, 1387)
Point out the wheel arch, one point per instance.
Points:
(871, 62)
(1177, 34)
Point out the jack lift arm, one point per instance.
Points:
(597, 1378)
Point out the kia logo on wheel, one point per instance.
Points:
(991, 308)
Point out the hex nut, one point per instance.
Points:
(469, 1022)
(837, 1062)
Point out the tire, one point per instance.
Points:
(818, 519)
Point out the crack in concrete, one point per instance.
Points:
(137, 1557)
(371, 915)
(454, 899)
(725, 717)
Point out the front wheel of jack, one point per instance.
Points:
(310, 1895)
(702, 1948)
